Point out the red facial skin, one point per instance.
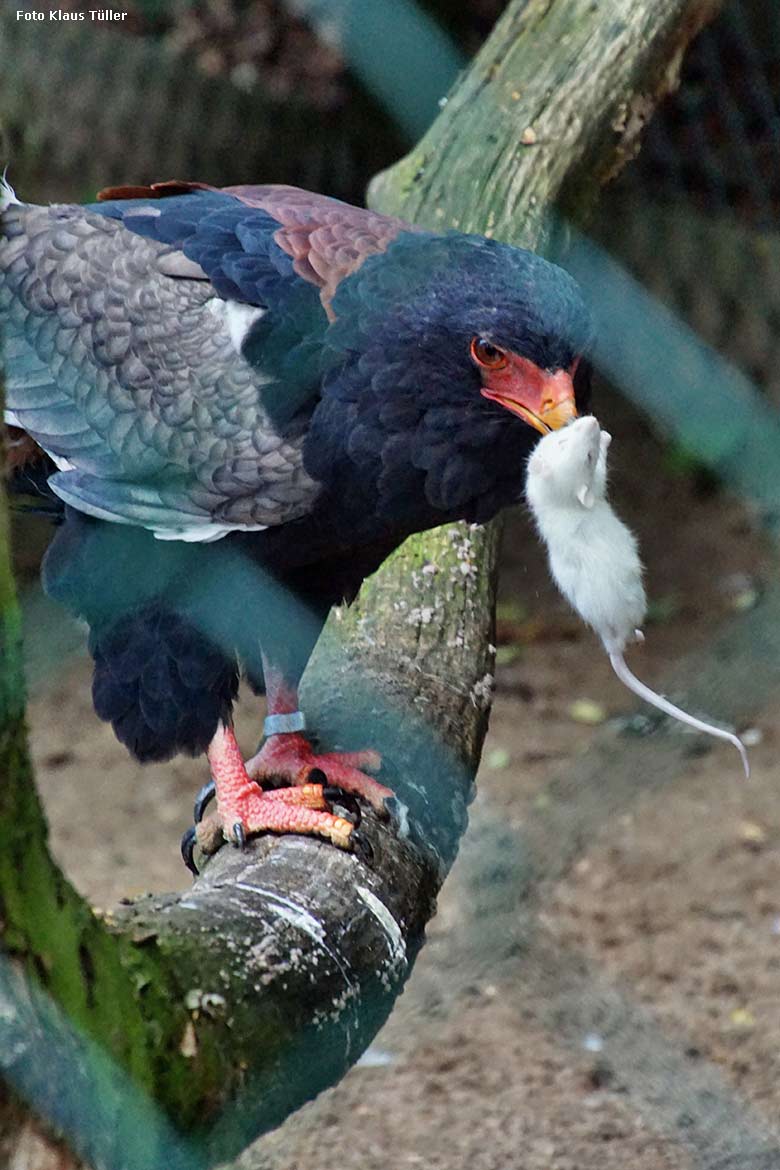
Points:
(544, 398)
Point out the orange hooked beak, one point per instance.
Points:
(544, 399)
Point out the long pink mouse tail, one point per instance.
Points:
(632, 682)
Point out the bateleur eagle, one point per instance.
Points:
(260, 377)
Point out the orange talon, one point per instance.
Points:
(243, 807)
(306, 795)
(291, 757)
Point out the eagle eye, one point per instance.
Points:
(487, 355)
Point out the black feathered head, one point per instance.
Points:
(466, 315)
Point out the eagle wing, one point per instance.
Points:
(164, 347)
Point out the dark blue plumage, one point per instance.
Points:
(161, 683)
(233, 244)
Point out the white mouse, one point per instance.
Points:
(593, 556)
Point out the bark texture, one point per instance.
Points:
(174, 1030)
(552, 107)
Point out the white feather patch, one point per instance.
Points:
(7, 194)
(238, 318)
(205, 533)
(145, 210)
(60, 462)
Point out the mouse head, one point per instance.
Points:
(569, 466)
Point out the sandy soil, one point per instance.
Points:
(674, 906)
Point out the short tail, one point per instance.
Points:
(632, 682)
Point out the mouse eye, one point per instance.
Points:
(485, 354)
(590, 457)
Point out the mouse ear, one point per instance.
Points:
(585, 496)
(605, 440)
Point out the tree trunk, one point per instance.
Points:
(176, 1029)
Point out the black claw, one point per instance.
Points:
(239, 836)
(188, 842)
(345, 800)
(362, 847)
(205, 795)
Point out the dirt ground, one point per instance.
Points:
(672, 910)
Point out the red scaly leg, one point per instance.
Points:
(288, 755)
(243, 808)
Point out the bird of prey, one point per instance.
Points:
(214, 381)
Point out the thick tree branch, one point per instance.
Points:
(552, 107)
(234, 1003)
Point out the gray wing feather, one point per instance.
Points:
(132, 378)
